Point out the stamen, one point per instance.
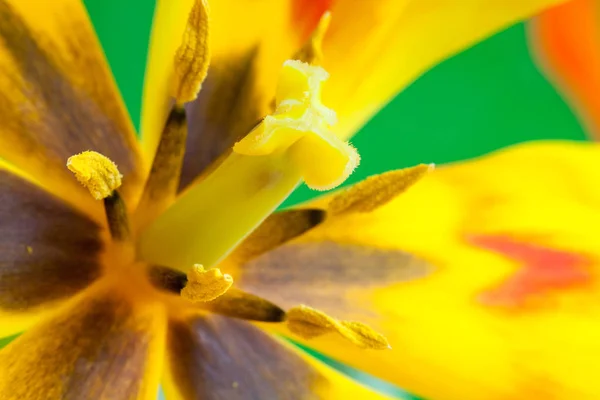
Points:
(312, 52)
(308, 323)
(191, 66)
(116, 215)
(300, 127)
(205, 285)
(96, 173)
(161, 187)
(101, 177)
(234, 303)
(377, 190)
(193, 56)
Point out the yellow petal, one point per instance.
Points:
(374, 49)
(168, 27)
(48, 251)
(58, 96)
(214, 357)
(511, 308)
(103, 346)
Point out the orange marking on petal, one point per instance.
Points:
(543, 270)
(307, 13)
(566, 40)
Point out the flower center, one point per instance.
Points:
(294, 143)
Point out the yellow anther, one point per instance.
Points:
(312, 51)
(95, 172)
(308, 323)
(301, 126)
(205, 285)
(377, 190)
(193, 56)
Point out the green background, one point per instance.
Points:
(485, 98)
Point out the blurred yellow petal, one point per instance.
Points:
(102, 347)
(58, 96)
(217, 357)
(510, 309)
(48, 251)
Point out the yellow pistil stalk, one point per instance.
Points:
(308, 323)
(293, 143)
(205, 285)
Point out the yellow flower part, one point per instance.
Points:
(309, 323)
(205, 285)
(192, 57)
(96, 173)
(301, 125)
(104, 295)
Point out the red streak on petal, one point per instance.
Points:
(307, 13)
(543, 270)
(566, 41)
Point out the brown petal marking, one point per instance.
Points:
(48, 251)
(217, 358)
(63, 100)
(97, 349)
(327, 275)
(226, 109)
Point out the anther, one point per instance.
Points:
(308, 323)
(377, 190)
(300, 128)
(96, 173)
(312, 51)
(191, 66)
(193, 56)
(205, 285)
(101, 177)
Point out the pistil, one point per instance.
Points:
(292, 144)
